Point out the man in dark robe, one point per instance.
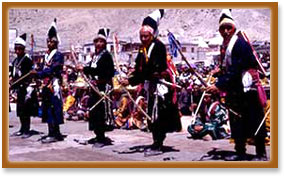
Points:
(100, 70)
(52, 104)
(237, 78)
(27, 104)
(151, 66)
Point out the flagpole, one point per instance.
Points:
(187, 63)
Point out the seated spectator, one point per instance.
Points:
(127, 118)
(216, 125)
(123, 112)
(138, 119)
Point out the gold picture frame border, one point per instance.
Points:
(273, 163)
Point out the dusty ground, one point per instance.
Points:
(127, 145)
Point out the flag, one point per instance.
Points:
(174, 44)
(32, 45)
(116, 43)
(115, 51)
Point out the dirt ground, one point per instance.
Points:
(127, 145)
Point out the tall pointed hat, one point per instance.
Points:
(103, 33)
(52, 31)
(226, 17)
(21, 40)
(153, 21)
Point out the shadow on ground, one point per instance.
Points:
(31, 133)
(93, 141)
(220, 155)
(143, 148)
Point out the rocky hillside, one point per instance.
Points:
(78, 26)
